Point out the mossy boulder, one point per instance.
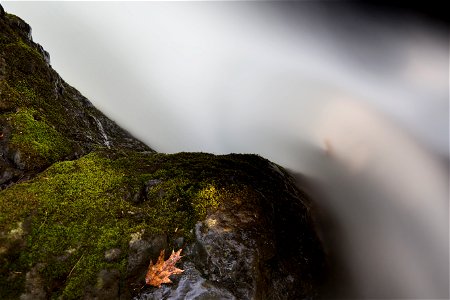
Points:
(239, 218)
(84, 206)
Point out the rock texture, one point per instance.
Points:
(84, 206)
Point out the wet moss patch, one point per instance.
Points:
(9, 98)
(36, 144)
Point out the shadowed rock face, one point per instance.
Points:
(85, 206)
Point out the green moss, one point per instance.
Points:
(168, 208)
(38, 143)
(10, 99)
(25, 91)
(76, 210)
(31, 51)
(75, 218)
(207, 198)
(19, 42)
(27, 73)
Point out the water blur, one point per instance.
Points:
(355, 100)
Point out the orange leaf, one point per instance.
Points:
(159, 273)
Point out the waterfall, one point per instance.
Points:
(107, 142)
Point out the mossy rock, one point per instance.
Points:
(67, 217)
(43, 119)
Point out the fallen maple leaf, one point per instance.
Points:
(159, 273)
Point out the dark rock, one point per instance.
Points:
(141, 194)
(106, 288)
(34, 285)
(2, 70)
(6, 175)
(44, 53)
(20, 26)
(18, 161)
(151, 183)
(178, 242)
(141, 248)
(112, 254)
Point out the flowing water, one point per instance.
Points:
(106, 140)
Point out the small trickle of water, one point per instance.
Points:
(102, 131)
